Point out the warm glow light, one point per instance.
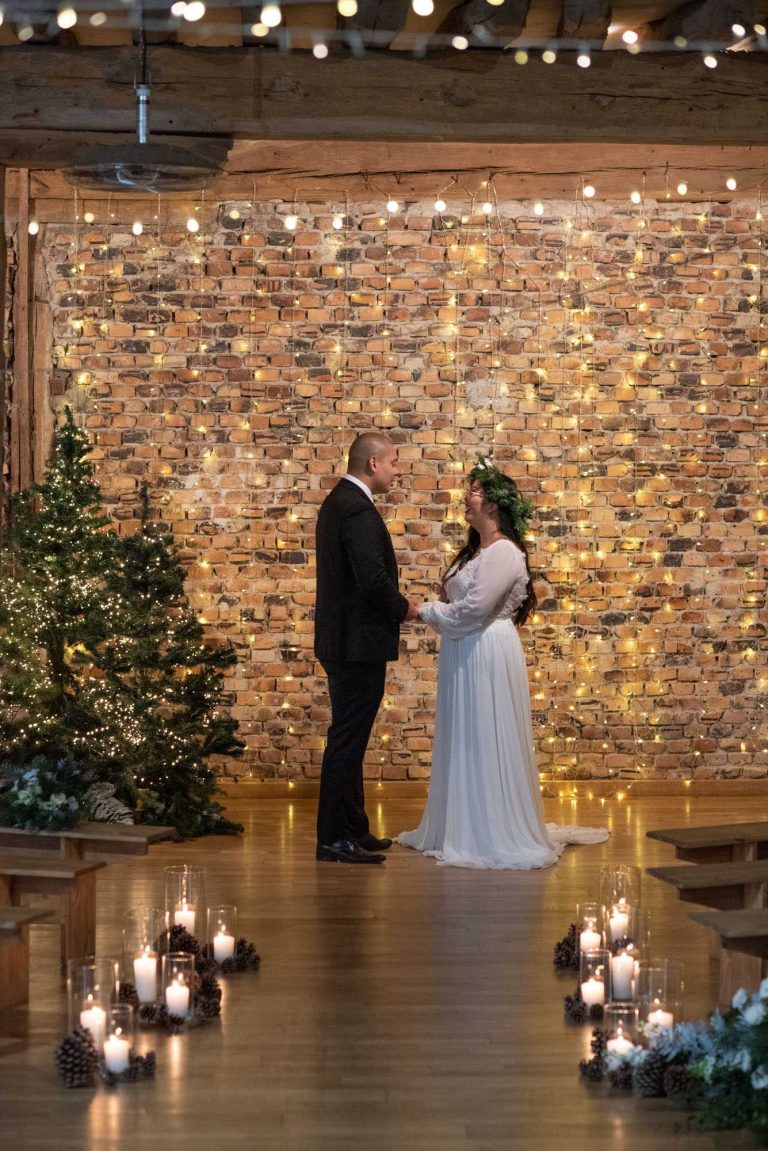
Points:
(682, 188)
(710, 61)
(137, 228)
(730, 184)
(589, 191)
(538, 208)
(460, 43)
(33, 227)
(271, 15)
(393, 207)
(193, 225)
(346, 7)
(291, 222)
(486, 208)
(97, 19)
(630, 36)
(177, 9)
(583, 60)
(440, 205)
(66, 18)
(194, 11)
(635, 197)
(738, 30)
(320, 51)
(549, 56)
(89, 217)
(423, 7)
(259, 29)
(338, 222)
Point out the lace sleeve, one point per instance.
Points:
(499, 568)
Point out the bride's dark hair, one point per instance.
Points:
(508, 527)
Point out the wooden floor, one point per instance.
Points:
(404, 1006)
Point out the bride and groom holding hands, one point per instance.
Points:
(484, 807)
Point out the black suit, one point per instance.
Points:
(358, 613)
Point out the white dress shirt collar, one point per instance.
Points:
(363, 487)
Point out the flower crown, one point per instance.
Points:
(501, 490)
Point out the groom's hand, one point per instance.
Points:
(413, 611)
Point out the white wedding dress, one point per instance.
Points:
(484, 807)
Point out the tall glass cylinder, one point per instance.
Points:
(185, 899)
(92, 988)
(620, 1027)
(589, 926)
(660, 993)
(178, 983)
(143, 931)
(619, 889)
(593, 977)
(119, 1039)
(222, 931)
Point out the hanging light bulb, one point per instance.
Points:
(486, 208)
(549, 56)
(137, 228)
(234, 214)
(346, 7)
(66, 17)
(33, 227)
(538, 208)
(89, 217)
(259, 29)
(193, 225)
(589, 191)
(584, 60)
(738, 30)
(731, 184)
(97, 19)
(710, 61)
(682, 188)
(177, 8)
(338, 222)
(460, 43)
(320, 51)
(271, 15)
(629, 36)
(440, 205)
(393, 207)
(194, 11)
(423, 7)
(291, 222)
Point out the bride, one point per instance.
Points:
(484, 807)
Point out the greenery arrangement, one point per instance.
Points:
(717, 1066)
(103, 663)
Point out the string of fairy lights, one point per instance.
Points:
(539, 350)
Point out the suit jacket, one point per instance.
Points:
(358, 610)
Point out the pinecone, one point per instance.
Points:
(148, 1064)
(623, 1077)
(153, 1015)
(677, 1080)
(129, 994)
(76, 1059)
(245, 958)
(649, 1076)
(594, 1068)
(208, 1002)
(566, 953)
(576, 1010)
(177, 938)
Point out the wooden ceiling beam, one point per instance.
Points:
(384, 17)
(584, 20)
(700, 21)
(473, 17)
(471, 96)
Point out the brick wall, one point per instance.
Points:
(611, 355)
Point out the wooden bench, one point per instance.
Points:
(721, 843)
(14, 952)
(106, 841)
(743, 937)
(727, 886)
(73, 881)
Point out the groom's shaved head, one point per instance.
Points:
(367, 445)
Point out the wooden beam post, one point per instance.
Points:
(21, 405)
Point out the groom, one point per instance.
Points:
(358, 612)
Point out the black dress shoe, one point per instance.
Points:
(371, 843)
(345, 851)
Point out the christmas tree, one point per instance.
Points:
(168, 683)
(101, 659)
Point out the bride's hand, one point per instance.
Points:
(413, 611)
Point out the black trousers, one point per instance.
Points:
(356, 691)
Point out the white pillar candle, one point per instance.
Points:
(177, 997)
(223, 946)
(593, 991)
(618, 921)
(621, 1045)
(145, 976)
(661, 1018)
(184, 916)
(590, 940)
(622, 973)
(95, 1019)
(117, 1052)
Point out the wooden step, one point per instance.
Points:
(719, 843)
(89, 840)
(727, 886)
(14, 953)
(743, 937)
